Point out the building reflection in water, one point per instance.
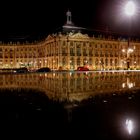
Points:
(74, 86)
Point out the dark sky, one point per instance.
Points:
(26, 18)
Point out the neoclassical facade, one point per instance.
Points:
(70, 49)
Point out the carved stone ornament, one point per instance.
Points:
(78, 36)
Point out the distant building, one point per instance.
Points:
(71, 47)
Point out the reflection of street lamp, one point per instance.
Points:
(129, 11)
(129, 126)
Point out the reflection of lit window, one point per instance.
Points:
(70, 73)
(123, 85)
(130, 85)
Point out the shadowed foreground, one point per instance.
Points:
(30, 112)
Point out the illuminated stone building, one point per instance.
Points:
(70, 48)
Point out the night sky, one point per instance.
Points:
(25, 19)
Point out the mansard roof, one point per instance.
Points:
(108, 34)
(69, 28)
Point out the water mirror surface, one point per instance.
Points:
(97, 105)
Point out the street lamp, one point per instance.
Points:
(130, 8)
(129, 11)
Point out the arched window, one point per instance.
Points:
(102, 61)
(96, 53)
(111, 54)
(71, 51)
(106, 62)
(78, 61)
(111, 62)
(72, 61)
(90, 61)
(90, 52)
(84, 44)
(1, 55)
(78, 50)
(96, 61)
(84, 52)
(116, 61)
(30, 55)
(106, 53)
(63, 52)
(101, 54)
(71, 43)
(85, 61)
(63, 61)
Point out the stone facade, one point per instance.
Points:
(69, 52)
(76, 49)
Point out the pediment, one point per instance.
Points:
(78, 36)
(49, 37)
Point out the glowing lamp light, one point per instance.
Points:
(123, 85)
(123, 50)
(130, 8)
(130, 50)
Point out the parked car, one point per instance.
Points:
(82, 69)
(45, 69)
(21, 70)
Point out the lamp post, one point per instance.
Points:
(128, 51)
(129, 11)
